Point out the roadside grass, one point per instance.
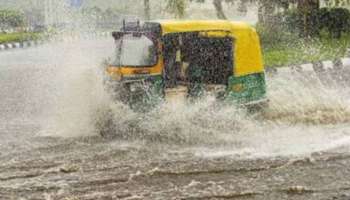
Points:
(302, 51)
(18, 37)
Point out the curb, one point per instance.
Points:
(34, 43)
(338, 70)
(20, 45)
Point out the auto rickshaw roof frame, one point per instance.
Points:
(119, 34)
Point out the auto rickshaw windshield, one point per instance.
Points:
(135, 51)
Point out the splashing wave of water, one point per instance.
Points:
(300, 107)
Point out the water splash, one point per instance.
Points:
(204, 122)
(307, 99)
(76, 87)
(304, 115)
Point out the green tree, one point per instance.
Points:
(219, 9)
(147, 9)
(336, 3)
(267, 9)
(177, 7)
(11, 18)
(308, 8)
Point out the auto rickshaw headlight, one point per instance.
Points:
(238, 87)
(116, 77)
(137, 86)
(133, 88)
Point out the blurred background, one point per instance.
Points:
(292, 31)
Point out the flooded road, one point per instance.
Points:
(50, 97)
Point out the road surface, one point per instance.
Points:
(51, 97)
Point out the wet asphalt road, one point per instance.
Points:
(33, 166)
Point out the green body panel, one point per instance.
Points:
(246, 89)
(240, 90)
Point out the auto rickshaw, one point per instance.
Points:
(153, 60)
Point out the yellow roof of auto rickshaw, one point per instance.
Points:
(176, 26)
(248, 56)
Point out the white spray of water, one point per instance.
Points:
(77, 88)
(304, 114)
(307, 99)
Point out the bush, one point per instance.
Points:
(11, 18)
(338, 22)
(282, 44)
(334, 21)
(277, 31)
(292, 20)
